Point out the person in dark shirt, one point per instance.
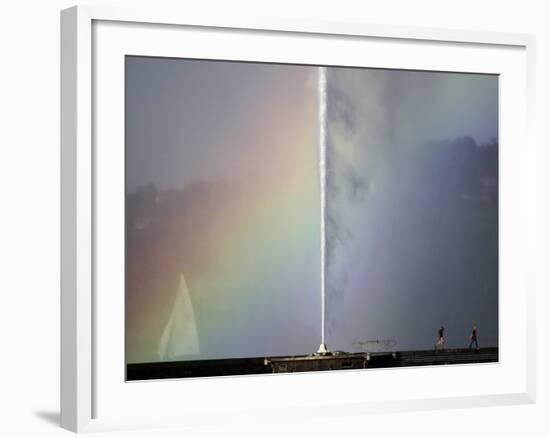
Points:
(473, 338)
(440, 338)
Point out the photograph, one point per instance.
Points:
(285, 218)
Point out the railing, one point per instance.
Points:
(376, 345)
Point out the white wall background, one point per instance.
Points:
(29, 218)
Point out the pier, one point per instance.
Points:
(309, 363)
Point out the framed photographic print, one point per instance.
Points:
(256, 209)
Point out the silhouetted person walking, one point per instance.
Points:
(473, 338)
(440, 339)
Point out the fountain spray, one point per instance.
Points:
(322, 95)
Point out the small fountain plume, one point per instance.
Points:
(322, 95)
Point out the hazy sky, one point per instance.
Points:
(190, 119)
(412, 211)
(232, 149)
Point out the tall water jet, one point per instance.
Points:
(322, 96)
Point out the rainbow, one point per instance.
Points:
(255, 253)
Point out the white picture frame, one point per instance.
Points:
(89, 361)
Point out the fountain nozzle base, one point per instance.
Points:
(323, 350)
